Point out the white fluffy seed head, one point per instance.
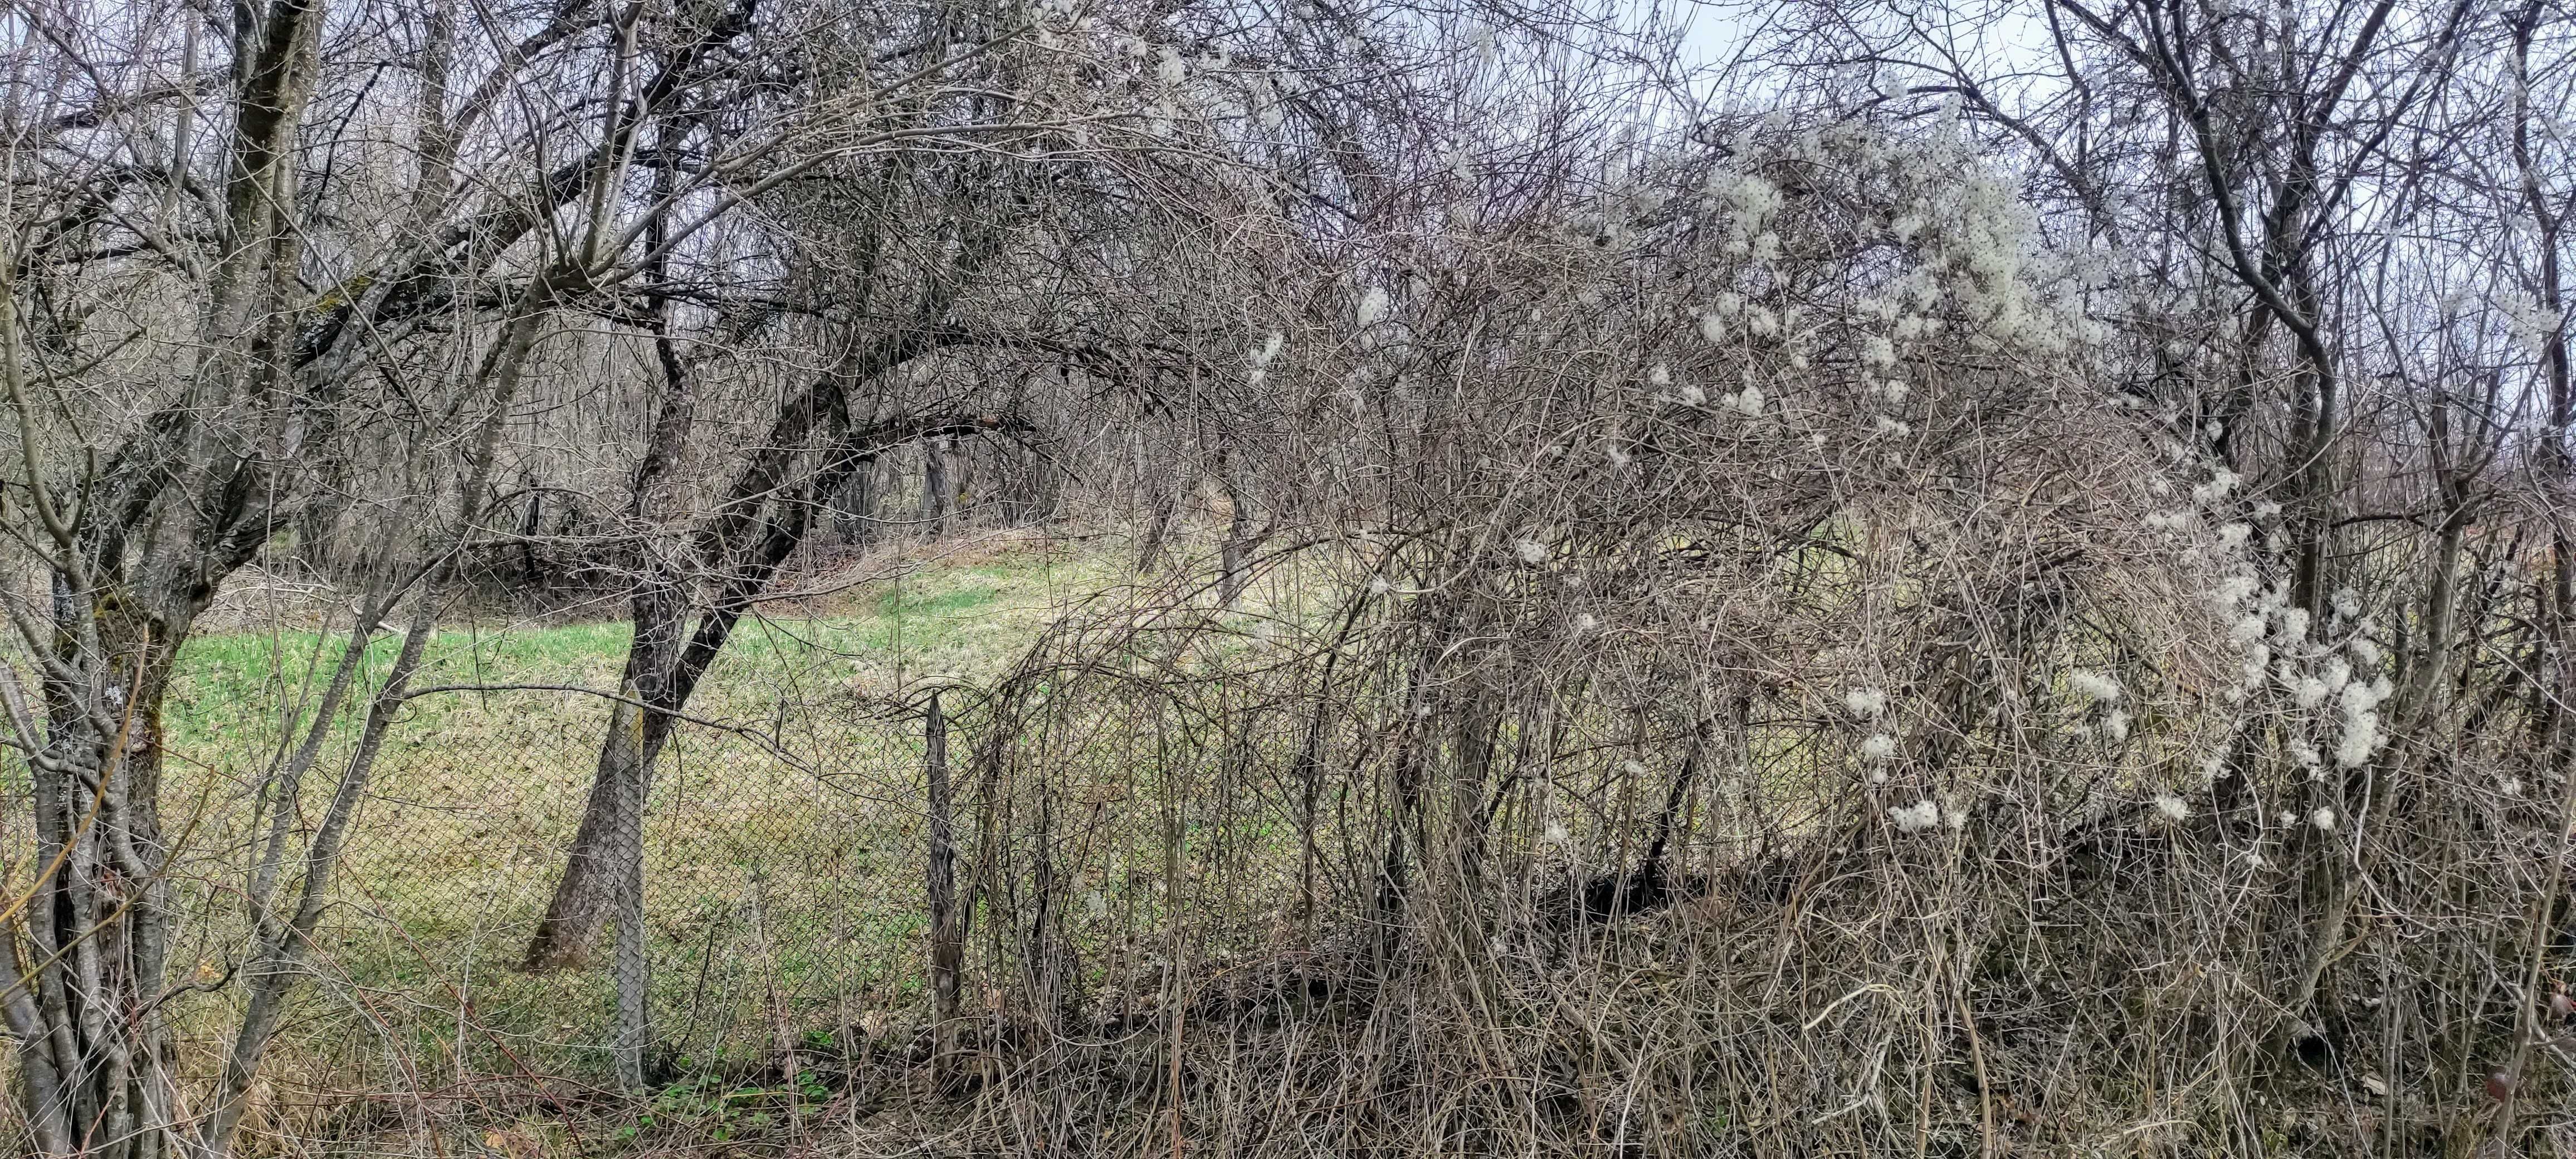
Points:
(2323, 818)
(1867, 703)
(2094, 684)
(1916, 817)
(2174, 808)
(2360, 739)
(1373, 307)
(1879, 747)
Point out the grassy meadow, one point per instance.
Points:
(784, 892)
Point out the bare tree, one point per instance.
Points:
(327, 305)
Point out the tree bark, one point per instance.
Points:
(935, 487)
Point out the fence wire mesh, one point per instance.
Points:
(781, 907)
(1202, 894)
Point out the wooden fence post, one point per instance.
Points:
(947, 948)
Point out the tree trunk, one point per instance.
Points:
(609, 839)
(738, 549)
(935, 493)
(94, 1054)
(857, 506)
(1237, 552)
(96, 1067)
(529, 527)
(1161, 494)
(275, 968)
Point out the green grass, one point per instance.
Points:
(778, 889)
(962, 619)
(784, 895)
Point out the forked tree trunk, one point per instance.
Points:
(740, 549)
(812, 450)
(87, 961)
(93, 1055)
(609, 843)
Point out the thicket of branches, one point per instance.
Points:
(1955, 580)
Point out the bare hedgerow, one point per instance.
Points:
(1748, 520)
(1730, 605)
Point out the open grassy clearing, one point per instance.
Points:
(784, 891)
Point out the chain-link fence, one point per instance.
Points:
(1199, 894)
(782, 908)
(786, 931)
(793, 871)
